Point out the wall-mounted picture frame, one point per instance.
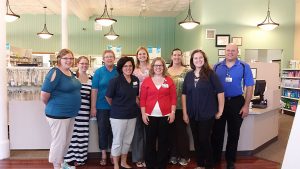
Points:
(254, 72)
(210, 33)
(222, 40)
(221, 52)
(220, 59)
(237, 40)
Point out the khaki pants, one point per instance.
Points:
(123, 130)
(61, 134)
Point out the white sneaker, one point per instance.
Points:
(183, 161)
(173, 160)
(66, 166)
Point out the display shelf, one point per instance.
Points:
(289, 69)
(290, 77)
(290, 98)
(290, 88)
(286, 87)
(288, 110)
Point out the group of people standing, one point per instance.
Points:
(147, 106)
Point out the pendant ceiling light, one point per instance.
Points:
(10, 15)
(111, 35)
(189, 22)
(45, 34)
(105, 19)
(268, 24)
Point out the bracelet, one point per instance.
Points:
(173, 112)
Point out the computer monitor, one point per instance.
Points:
(260, 87)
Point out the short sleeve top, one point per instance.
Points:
(100, 81)
(65, 98)
(240, 73)
(123, 95)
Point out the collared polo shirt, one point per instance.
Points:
(240, 75)
(123, 95)
(100, 81)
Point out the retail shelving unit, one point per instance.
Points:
(290, 93)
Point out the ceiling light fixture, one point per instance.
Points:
(268, 24)
(45, 34)
(105, 19)
(111, 35)
(10, 15)
(189, 22)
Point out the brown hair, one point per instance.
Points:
(82, 57)
(62, 53)
(137, 51)
(205, 69)
(151, 71)
(78, 60)
(176, 49)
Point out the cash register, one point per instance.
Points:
(260, 102)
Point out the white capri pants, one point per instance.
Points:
(123, 130)
(61, 134)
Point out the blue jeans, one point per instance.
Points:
(104, 129)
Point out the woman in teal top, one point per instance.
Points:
(99, 106)
(61, 95)
(178, 135)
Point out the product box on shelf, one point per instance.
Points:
(294, 64)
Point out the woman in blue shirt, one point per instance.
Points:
(99, 106)
(202, 102)
(61, 95)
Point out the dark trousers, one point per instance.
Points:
(157, 129)
(179, 138)
(234, 121)
(201, 131)
(138, 141)
(104, 129)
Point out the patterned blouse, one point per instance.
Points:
(178, 81)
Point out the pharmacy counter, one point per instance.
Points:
(259, 129)
(29, 129)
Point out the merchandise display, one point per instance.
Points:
(24, 83)
(290, 85)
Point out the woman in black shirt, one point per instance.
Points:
(122, 94)
(202, 102)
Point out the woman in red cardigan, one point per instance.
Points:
(158, 105)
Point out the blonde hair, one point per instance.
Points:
(151, 71)
(108, 51)
(137, 52)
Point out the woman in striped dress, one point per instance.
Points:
(78, 148)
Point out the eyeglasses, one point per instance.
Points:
(84, 63)
(109, 57)
(158, 66)
(71, 59)
(127, 66)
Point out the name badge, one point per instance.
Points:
(228, 79)
(165, 86)
(134, 84)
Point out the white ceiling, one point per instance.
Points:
(84, 9)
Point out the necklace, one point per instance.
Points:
(196, 77)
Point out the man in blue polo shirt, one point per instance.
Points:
(234, 75)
